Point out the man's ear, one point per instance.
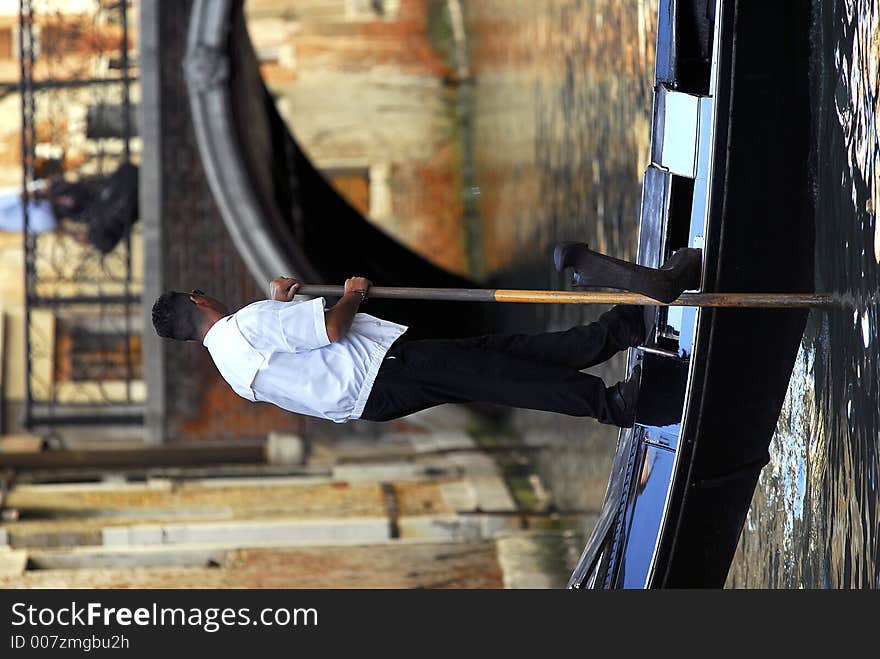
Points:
(198, 300)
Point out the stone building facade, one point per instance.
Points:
(369, 90)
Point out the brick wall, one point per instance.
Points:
(374, 92)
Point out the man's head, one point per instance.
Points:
(186, 316)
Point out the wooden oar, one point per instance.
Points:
(744, 300)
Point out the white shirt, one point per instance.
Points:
(279, 352)
(40, 215)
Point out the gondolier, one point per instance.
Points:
(340, 364)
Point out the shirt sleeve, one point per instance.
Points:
(303, 326)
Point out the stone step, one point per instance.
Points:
(340, 531)
(78, 558)
(12, 562)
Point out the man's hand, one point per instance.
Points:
(338, 319)
(282, 289)
(359, 285)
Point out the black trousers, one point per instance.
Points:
(538, 371)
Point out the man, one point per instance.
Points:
(339, 364)
(106, 204)
(41, 215)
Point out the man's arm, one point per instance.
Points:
(339, 318)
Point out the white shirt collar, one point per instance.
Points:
(213, 327)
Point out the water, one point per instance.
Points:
(561, 128)
(813, 521)
(561, 135)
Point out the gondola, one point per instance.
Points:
(730, 173)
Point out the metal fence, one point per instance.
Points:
(83, 275)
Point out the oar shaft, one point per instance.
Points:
(744, 300)
(447, 294)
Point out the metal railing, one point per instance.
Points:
(82, 296)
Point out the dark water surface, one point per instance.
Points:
(560, 140)
(813, 521)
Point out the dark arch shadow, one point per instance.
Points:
(281, 213)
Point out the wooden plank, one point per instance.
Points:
(201, 454)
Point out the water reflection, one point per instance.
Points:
(561, 132)
(814, 521)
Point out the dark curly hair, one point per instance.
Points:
(176, 317)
